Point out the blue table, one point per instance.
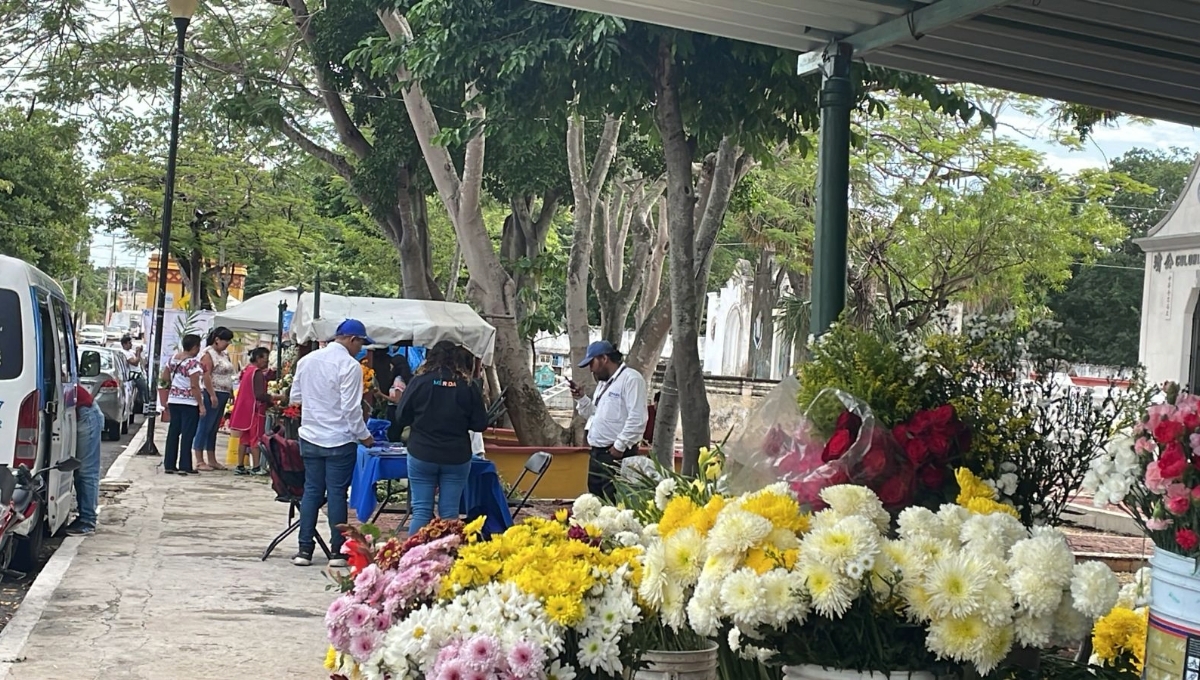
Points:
(484, 495)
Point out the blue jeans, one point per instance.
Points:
(89, 424)
(180, 432)
(424, 477)
(327, 474)
(206, 430)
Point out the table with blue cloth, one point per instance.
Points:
(484, 495)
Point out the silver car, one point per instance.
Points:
(105, 374)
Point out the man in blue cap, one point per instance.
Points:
(329, 387)
(616, 414)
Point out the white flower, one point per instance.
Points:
(1007, 484)
(783, 598)
(957, 585)
(736, 531)
(628, 538)
(1094, 589)
(1033, 593)
(586, 508)
(848, 499)
(598, 653)
(1137, 593)
(851, 539)
(683, 555)
(1033, 631)
(994, 534)
(1045, 553)
(663, 492)
(918, 521)
(559, 671)
(952, 518)
(742, 597)
(1070, 624)
(704, 609)
(832, 594)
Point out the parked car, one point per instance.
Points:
(104, 372)
(92, 334)
(114, 333)
(37, 396)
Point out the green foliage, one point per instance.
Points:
(45, 195)
(1101, 306)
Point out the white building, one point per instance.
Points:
(727, 338)
(1170, 337)
(555, 350)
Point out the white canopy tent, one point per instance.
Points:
(421, 323)
(259, 314)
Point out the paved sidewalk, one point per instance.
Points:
(171, 586)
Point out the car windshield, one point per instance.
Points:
(93, 329)
(12, 353)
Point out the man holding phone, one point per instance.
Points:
(616, 414)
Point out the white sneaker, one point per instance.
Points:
(302, 560)
(338, 563)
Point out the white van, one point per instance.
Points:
(38, 374)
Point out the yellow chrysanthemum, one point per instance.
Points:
(331, 659)
(782, 510)
(970, 486)
(1121, 632)
(563, 610)
(474, 529)
(987, 506)
(677, 515)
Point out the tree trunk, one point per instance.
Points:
(522, 241)
(665, 420)
(685, 307)
(617, 282)
(801, 291)
(652, 286)
(410, 233)
(762, 315)
(455, 263)
(586, 184)
(490, 286)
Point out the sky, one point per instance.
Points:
(1104, 144)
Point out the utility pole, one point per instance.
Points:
(112, 279)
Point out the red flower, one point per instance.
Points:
(1191, 421)
(357, 556)
(873, 464)
(938, 443)
(917, 451)
(1168, 431)
(933, 477)
(1172, 462)
(1187, 539)
(837, 446)
(848, 421)
(898, 489)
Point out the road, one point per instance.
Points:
(12, 592)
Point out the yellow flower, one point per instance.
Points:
(987, 506)
(563, 610)
(1121, 632)
(331, 659)
(562, 515)
(782, 510)
(677, 515)
(970, 486)
(474, 528)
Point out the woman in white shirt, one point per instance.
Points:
(217, 381)
(184, 403)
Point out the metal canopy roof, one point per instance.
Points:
(1139, 57)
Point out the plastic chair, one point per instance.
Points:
(537, 464)
(286, 469)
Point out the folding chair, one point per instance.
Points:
(537, 464)
(286, 469)
(497, 409)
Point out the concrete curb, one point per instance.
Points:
(16, 634)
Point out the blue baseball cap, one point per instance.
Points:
(355, 329)
(596, 350)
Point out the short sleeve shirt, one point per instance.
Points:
(182, 371)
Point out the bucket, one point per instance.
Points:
(810, 672)
(1174, 618)
(231, 451)
(697, 665)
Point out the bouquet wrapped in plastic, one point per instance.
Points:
(837, 440)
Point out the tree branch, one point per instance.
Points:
(334, 160)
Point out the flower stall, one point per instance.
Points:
(1155, 476)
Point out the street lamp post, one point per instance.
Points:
(181, 12)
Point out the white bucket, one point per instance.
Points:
(1174, 618)
(698, 665)
(808, 672)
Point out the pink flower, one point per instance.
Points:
(453, 670)
(526, 660)
(482, 652)
(362, 647)
(365, 582)
(1146, 445)
(1179, 499)
(359, 615)
(1158, 524)
(1157, 413)
(337, 609)
(1154, 479)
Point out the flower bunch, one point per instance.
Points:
(961, 586)
(386, 582)
(1157, 477)
(547, 598)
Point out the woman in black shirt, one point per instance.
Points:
(441, 405)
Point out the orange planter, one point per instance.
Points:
(566, 478)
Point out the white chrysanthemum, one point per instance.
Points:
(832, 594)
(704, 607)
(958, 639)
(951, 519)
(600, 654)
(824, 518)
(1070, 624)
(996, 646)
(784, 600)
(736, 531)
(783, 539)
(923, 551)
(674, 603)
(994, 534)
(1033, 592)
(918, 521)
(742, 597)
(851, 539)
(586, 508)
(683, 552)
(1033, 631)
(998, 604)
(956, 585)
(654, 575)
(1047, 553)
(1094, 589)
(628, 538)
(1136, 593)
(663, 492)
(849, 499)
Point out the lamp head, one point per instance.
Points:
(182, 9)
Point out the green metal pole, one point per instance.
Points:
(833, 191)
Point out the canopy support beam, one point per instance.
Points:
(911, 26)
(833, 191)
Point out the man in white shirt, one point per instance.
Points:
(616, 414)
(133, 357)
(329, 388)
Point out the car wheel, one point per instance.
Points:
(28, 549)
(113, 429)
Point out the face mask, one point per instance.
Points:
(362, 354)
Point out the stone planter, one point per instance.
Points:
(697, 665)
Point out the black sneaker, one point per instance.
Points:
(184, 473)
(78, 528)
(241, 470)
(302, 559)
(171, 472)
